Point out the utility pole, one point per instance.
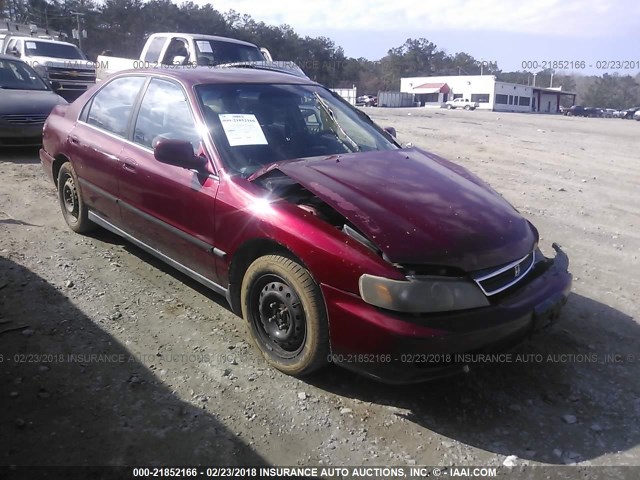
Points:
(78, 15)
(551, 81)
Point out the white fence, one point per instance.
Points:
(349, 94)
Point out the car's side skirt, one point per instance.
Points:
(94, 217)
(150, 218)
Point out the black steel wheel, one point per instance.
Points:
(285, 314)
(72, 205)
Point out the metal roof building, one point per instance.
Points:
(490, 93)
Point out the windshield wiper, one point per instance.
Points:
(329, 112)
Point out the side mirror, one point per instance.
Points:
(14, 51)
(391, 131)
(178, 153)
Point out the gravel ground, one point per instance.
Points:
(108, 357)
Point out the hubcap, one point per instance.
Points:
(70, 197)
(280, 317)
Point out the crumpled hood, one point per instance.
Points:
(418, 208)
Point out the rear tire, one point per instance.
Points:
(467, 107)
(285, 313)
(73, 208)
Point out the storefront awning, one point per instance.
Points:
(431, 88)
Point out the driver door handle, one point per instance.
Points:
(75, 140)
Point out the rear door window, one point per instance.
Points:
(112, 106)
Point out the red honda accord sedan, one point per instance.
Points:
(333, 242)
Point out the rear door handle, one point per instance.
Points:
(74, 139)
(129, 165)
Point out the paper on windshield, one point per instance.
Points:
(204, 46)
(242, 129)
(30, 45)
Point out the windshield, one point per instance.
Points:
(216, 52)
(16, 75)
(55, 50)
(254, 125)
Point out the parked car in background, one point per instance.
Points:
(594, 112)
(636, 115)
(25, 102)
(462, 103)
(564, 110)
(577, 111)
(308, 218)
(367, 101)
(60, 63)
(629, 113)
(608, 112)
(618, 113)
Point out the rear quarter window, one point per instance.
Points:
(155, 48)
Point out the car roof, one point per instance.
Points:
(205, 75)
(38, 39)
(197, 36)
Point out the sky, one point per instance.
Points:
(507, 31)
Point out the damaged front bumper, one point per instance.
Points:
(405, 348)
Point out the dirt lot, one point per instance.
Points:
(178, 382)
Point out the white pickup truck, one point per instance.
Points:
(189, 50)
(462, 103)
(61, 63)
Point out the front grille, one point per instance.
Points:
(21, 141)
(59, 73)
(501, 278)
(36, 119)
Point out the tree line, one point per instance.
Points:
(123, 25)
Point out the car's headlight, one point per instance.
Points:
(421, 295)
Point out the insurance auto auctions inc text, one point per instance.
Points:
(377, 472)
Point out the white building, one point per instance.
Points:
(490, 93)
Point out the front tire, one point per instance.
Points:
(285, 313)
(449, 107)
(73, 208)
(467, 107)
